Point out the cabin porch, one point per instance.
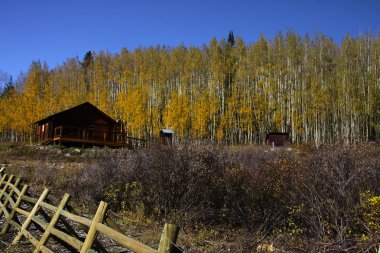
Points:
(89, 136)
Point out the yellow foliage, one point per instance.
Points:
(370, 209)
(220, 93)
(177, 115)
(133, 106)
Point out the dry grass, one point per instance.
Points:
(240, 199)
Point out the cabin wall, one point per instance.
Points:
(166, 139)
(44, 132)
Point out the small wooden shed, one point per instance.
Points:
(166, 136)
(277, 139)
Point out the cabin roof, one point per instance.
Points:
(84, 112)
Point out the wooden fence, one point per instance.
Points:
(21, 210)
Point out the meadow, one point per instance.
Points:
(225, 199)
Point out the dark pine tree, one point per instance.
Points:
(8, 88)
(231, 39)
(87, 62)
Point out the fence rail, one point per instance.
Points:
(20, 210)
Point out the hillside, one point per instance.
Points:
(227, 91)
(236, 199)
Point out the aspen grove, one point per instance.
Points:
(227, 91)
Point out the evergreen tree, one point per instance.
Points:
(8, 88)
(87, 64)
(231, 39)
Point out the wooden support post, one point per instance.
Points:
(97, 243)
(13, 212)
(6, 185)
(52, 223)
(5, 189)
(168, 239)
(92, 232)
(4, 205)
(2, 179)
(26, 224)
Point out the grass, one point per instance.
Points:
(225, 199)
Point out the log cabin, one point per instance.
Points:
(84, 125)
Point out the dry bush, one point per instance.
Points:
(201, 183)
(306, 199)
(328, 186)
(215, 185)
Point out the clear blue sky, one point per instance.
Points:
(55, 30)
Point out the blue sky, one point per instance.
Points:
(52, 31)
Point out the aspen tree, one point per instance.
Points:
(228, 91)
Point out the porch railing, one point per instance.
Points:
(88, 135)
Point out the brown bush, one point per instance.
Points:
(334, 178)
(311, 197)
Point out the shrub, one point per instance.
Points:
(321, 199)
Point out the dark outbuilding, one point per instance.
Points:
(166, 136)
(277, 139)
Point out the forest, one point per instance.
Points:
(227, 91)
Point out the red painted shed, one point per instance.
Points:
(277, 139)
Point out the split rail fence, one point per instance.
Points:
(21, 210)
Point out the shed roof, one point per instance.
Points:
(277, 134)
(85, 112)
(167, 131)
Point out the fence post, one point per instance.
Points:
(91, 234)
(10, 194)
(52, 223)
(28, 220)
(6, 184)
(168, 239)
(13, 212)
(4, 190)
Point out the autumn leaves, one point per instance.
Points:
(233, 93)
